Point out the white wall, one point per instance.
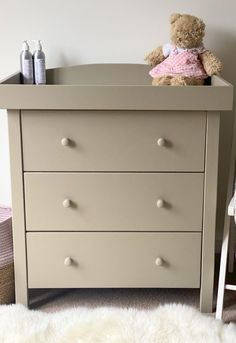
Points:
(79, 31)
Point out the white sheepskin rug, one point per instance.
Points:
(167, 324)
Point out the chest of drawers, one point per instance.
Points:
(114, 182)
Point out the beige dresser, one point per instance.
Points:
(114, 182)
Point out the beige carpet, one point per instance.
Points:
(125, 298)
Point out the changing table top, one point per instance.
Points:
(112, 87)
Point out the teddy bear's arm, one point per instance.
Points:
(211, 63)
(155, 57)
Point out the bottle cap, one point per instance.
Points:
(38, 45)
(25, 45)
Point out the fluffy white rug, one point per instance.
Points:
(167, 324)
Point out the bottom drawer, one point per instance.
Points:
(101, 259)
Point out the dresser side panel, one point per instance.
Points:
(209, 211)
(18, 220)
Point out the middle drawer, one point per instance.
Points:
(113, 201)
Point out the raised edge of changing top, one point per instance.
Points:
(112, 87)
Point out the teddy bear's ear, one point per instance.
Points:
(201, 24)
(174, 17)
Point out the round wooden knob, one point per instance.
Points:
(65, 141)
(66, 203)
(158, 261)
(160, 203)
(68, 261)
(161, 142)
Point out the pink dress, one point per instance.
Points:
(180, 62)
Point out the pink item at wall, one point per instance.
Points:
(6, 248)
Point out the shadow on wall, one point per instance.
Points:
(227, 52)
(65, 60)
(59, 57)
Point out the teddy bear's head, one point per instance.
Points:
(187, 31)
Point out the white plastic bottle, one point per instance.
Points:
(39, 64)
(26, 64)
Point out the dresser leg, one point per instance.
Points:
(21, 296)
(206, 299)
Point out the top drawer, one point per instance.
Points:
(113, 140)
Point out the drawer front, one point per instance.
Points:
(113, 140)
(113, 201)
(113, 259)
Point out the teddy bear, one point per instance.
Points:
(184, 61)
